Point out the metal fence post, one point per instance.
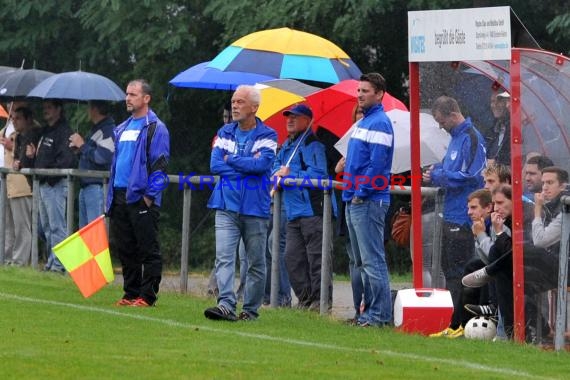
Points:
(185, 250)
(70, 204)
(35, 219)
(2, 215)
(437, 237)
(562, 276)
(275, 249)
(326, 263)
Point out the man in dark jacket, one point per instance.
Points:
(498, 146)
(95, 153)
(53, 152)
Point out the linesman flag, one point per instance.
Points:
(85, 255)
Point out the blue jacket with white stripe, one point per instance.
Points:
(369, 158)
(308, 161)
(460, 171)
(158, 155)
(244, 183)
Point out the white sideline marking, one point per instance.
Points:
(169, 322)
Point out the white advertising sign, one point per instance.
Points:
(459, 35)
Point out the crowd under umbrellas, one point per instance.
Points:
(276, 61)
(297, 61)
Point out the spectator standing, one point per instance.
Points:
(19, 190)
(370, 153)
(142, 150)
(95, 153)
(53, 152)
(460, 174)
(499, 144)
(6, 146)
(354, 268)
(212, 281)
(303, 156)
(242, 156)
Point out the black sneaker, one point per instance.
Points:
(489, 311)
(220, 313)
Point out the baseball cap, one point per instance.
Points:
(299, 110)
(504, 94)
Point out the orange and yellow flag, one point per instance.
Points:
(3, 113)
(85, 255)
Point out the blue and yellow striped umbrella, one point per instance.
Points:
(287, 53)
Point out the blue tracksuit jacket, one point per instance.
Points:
(246, 175)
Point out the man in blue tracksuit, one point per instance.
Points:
(142, 150)
(460, 174)
(367, 193)
(303, 156)
(242, 156)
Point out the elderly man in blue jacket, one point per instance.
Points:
(367, 193)
(303, 156)
(460, 174)
(142, 150)
(242, 156)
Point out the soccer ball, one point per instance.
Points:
(480, 328)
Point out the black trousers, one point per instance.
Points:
(457, 250)
(133, 239)
(303, 258)
(478, 296)
(541, 274)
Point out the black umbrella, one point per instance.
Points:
(78, 85)
(7, 69)
(18, 83)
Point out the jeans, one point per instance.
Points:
(284, 295)
(90, 203)
(213, 282)
(230, 228)
(242, 270)
(366, 230)
(53, 200)
(357, 280)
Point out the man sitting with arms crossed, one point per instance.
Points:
(540, 257)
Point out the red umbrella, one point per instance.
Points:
(332, 108)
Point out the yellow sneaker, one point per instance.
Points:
(449, 333)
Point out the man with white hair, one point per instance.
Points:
(242, 156)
